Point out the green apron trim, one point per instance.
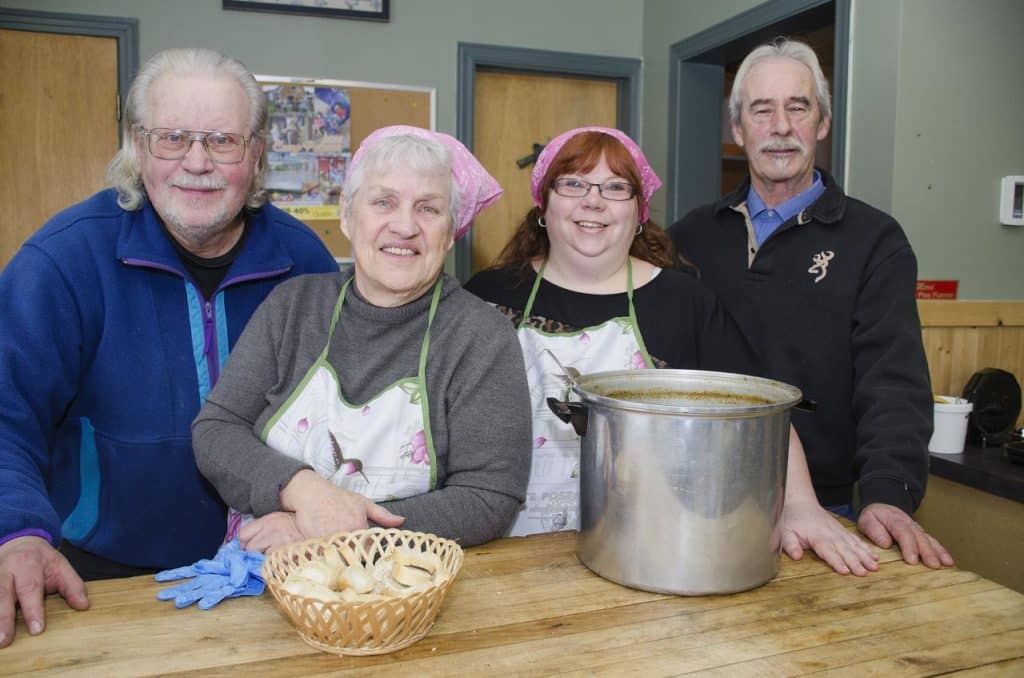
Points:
(632, 314)
(420, 381)
(632, 320)
(533, 294)
(422, 374)
(322, 358)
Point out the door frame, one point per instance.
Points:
(471, 56)
(123, 29)
(696, 79)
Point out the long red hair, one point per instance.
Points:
(581, 154)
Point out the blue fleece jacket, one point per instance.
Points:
(107, 351)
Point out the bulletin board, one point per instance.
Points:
(315, 125)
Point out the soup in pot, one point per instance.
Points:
(688, 398)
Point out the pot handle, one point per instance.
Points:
(570, 413)
(806, 405)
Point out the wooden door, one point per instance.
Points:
(58, 126)
(512, 111)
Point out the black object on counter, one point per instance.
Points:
(985, 469)
(1014, 451)
(996, 397)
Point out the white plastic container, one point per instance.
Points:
(950, 425)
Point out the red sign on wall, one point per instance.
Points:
(937, 289)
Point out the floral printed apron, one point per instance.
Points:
(381, 449)
(553, 494)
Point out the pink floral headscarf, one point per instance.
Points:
(478, 188)
(649, 181)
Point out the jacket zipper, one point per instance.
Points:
(210, 346)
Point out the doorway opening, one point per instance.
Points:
(703, 162)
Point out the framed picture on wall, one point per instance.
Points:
(369, 10)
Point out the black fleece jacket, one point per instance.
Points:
(828, 299)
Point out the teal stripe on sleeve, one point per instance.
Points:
(83, 518)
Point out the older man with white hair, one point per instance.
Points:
(117, 318)
(824, 284)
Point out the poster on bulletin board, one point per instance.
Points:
(314, 126)
(309, 147)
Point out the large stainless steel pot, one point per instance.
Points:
(682, 477)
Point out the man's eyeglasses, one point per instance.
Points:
(225, 148)
(614, 189)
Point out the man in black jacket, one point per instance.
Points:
(824, 285)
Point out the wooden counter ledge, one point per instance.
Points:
(526, 606)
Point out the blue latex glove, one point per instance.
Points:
(231, 573)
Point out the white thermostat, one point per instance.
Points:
(1011, 201)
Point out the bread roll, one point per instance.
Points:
(318, 571)
(300, 586)
(423, 560)
(408, 575)
(338, 574)
(355, 577)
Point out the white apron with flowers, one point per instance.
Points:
(553, 494)
(381, 449)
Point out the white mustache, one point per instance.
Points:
(789, 145)
(203, 181)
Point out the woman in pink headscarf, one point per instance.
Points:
(590, 278)
(384, 394)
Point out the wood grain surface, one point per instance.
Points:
(527, 607)
(58, 127)
(513, 111)
(962, 337)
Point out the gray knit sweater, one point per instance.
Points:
(476, 386)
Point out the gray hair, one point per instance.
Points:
(788, 49)
(420, 154)
(125, 172)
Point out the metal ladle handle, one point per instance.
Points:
(571, 373)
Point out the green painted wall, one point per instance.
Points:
(934, 108)
(958, 131)
(933, 123)
(417, 47)
(871, 101)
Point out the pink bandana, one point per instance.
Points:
(649, 181)
(479, 189)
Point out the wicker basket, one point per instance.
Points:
(362, 628)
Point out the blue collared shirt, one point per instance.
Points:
(766, 220)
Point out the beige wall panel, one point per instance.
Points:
(962, 337)
(985, 533)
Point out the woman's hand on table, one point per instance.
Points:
(806, 525)
(884, 524)
(321, 508)
(270, 531)
(29, 569)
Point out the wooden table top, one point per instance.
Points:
(526, 606)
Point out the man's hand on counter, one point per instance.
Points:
(885, 524)
(29, 569)
(806, 525)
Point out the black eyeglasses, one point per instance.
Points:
(613, 189)
(225, 148)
